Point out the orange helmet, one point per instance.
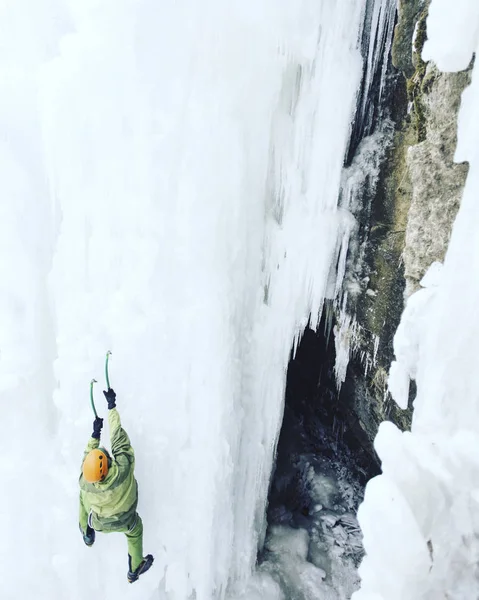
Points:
(95, 466)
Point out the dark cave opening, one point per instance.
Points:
(318, 428)
(323, 462)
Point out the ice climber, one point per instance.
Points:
(109, 491)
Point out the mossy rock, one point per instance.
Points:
(415, 84)
(409, 11)
(380, 313)
(419, 41)
(366, 396)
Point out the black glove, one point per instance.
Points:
(110, 398)
(97, 427)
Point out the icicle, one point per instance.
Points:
(380, 40)
(359, 180)
(376, 348)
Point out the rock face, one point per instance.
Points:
(436, 181)
(408, 13)
(409, 222)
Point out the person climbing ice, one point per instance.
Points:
(109, 490)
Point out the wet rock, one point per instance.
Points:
(408, 12)
(412, 213)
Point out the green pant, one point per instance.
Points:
(134, 537)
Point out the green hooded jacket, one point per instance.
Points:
(110, 505)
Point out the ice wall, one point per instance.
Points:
(171, 175)
(420, 518)
(377, 31)
(370, 138)
(29, 462)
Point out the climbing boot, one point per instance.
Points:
(143, 567)
(89, 536)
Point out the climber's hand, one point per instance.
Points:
(97, 427)
(110, 398)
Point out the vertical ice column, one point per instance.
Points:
(27, 333)
(371, 136)
(309, 133)
(160, 126)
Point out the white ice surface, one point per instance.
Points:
(169, 179)
(410, 333)
(420, 519)
(453, 33)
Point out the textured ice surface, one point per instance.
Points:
(169, 180)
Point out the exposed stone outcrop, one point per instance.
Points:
(436, 181)
(412, 212)
(408, 12)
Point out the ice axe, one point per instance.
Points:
(91, 397)
(108, 354)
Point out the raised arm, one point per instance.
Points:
(120, 442)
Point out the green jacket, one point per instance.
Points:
(111, 503)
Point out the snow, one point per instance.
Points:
(170, 176)
(420, 518)
(410, 333)
(453, 34)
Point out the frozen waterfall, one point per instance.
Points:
(170, 177)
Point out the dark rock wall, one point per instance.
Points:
(408, 226)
